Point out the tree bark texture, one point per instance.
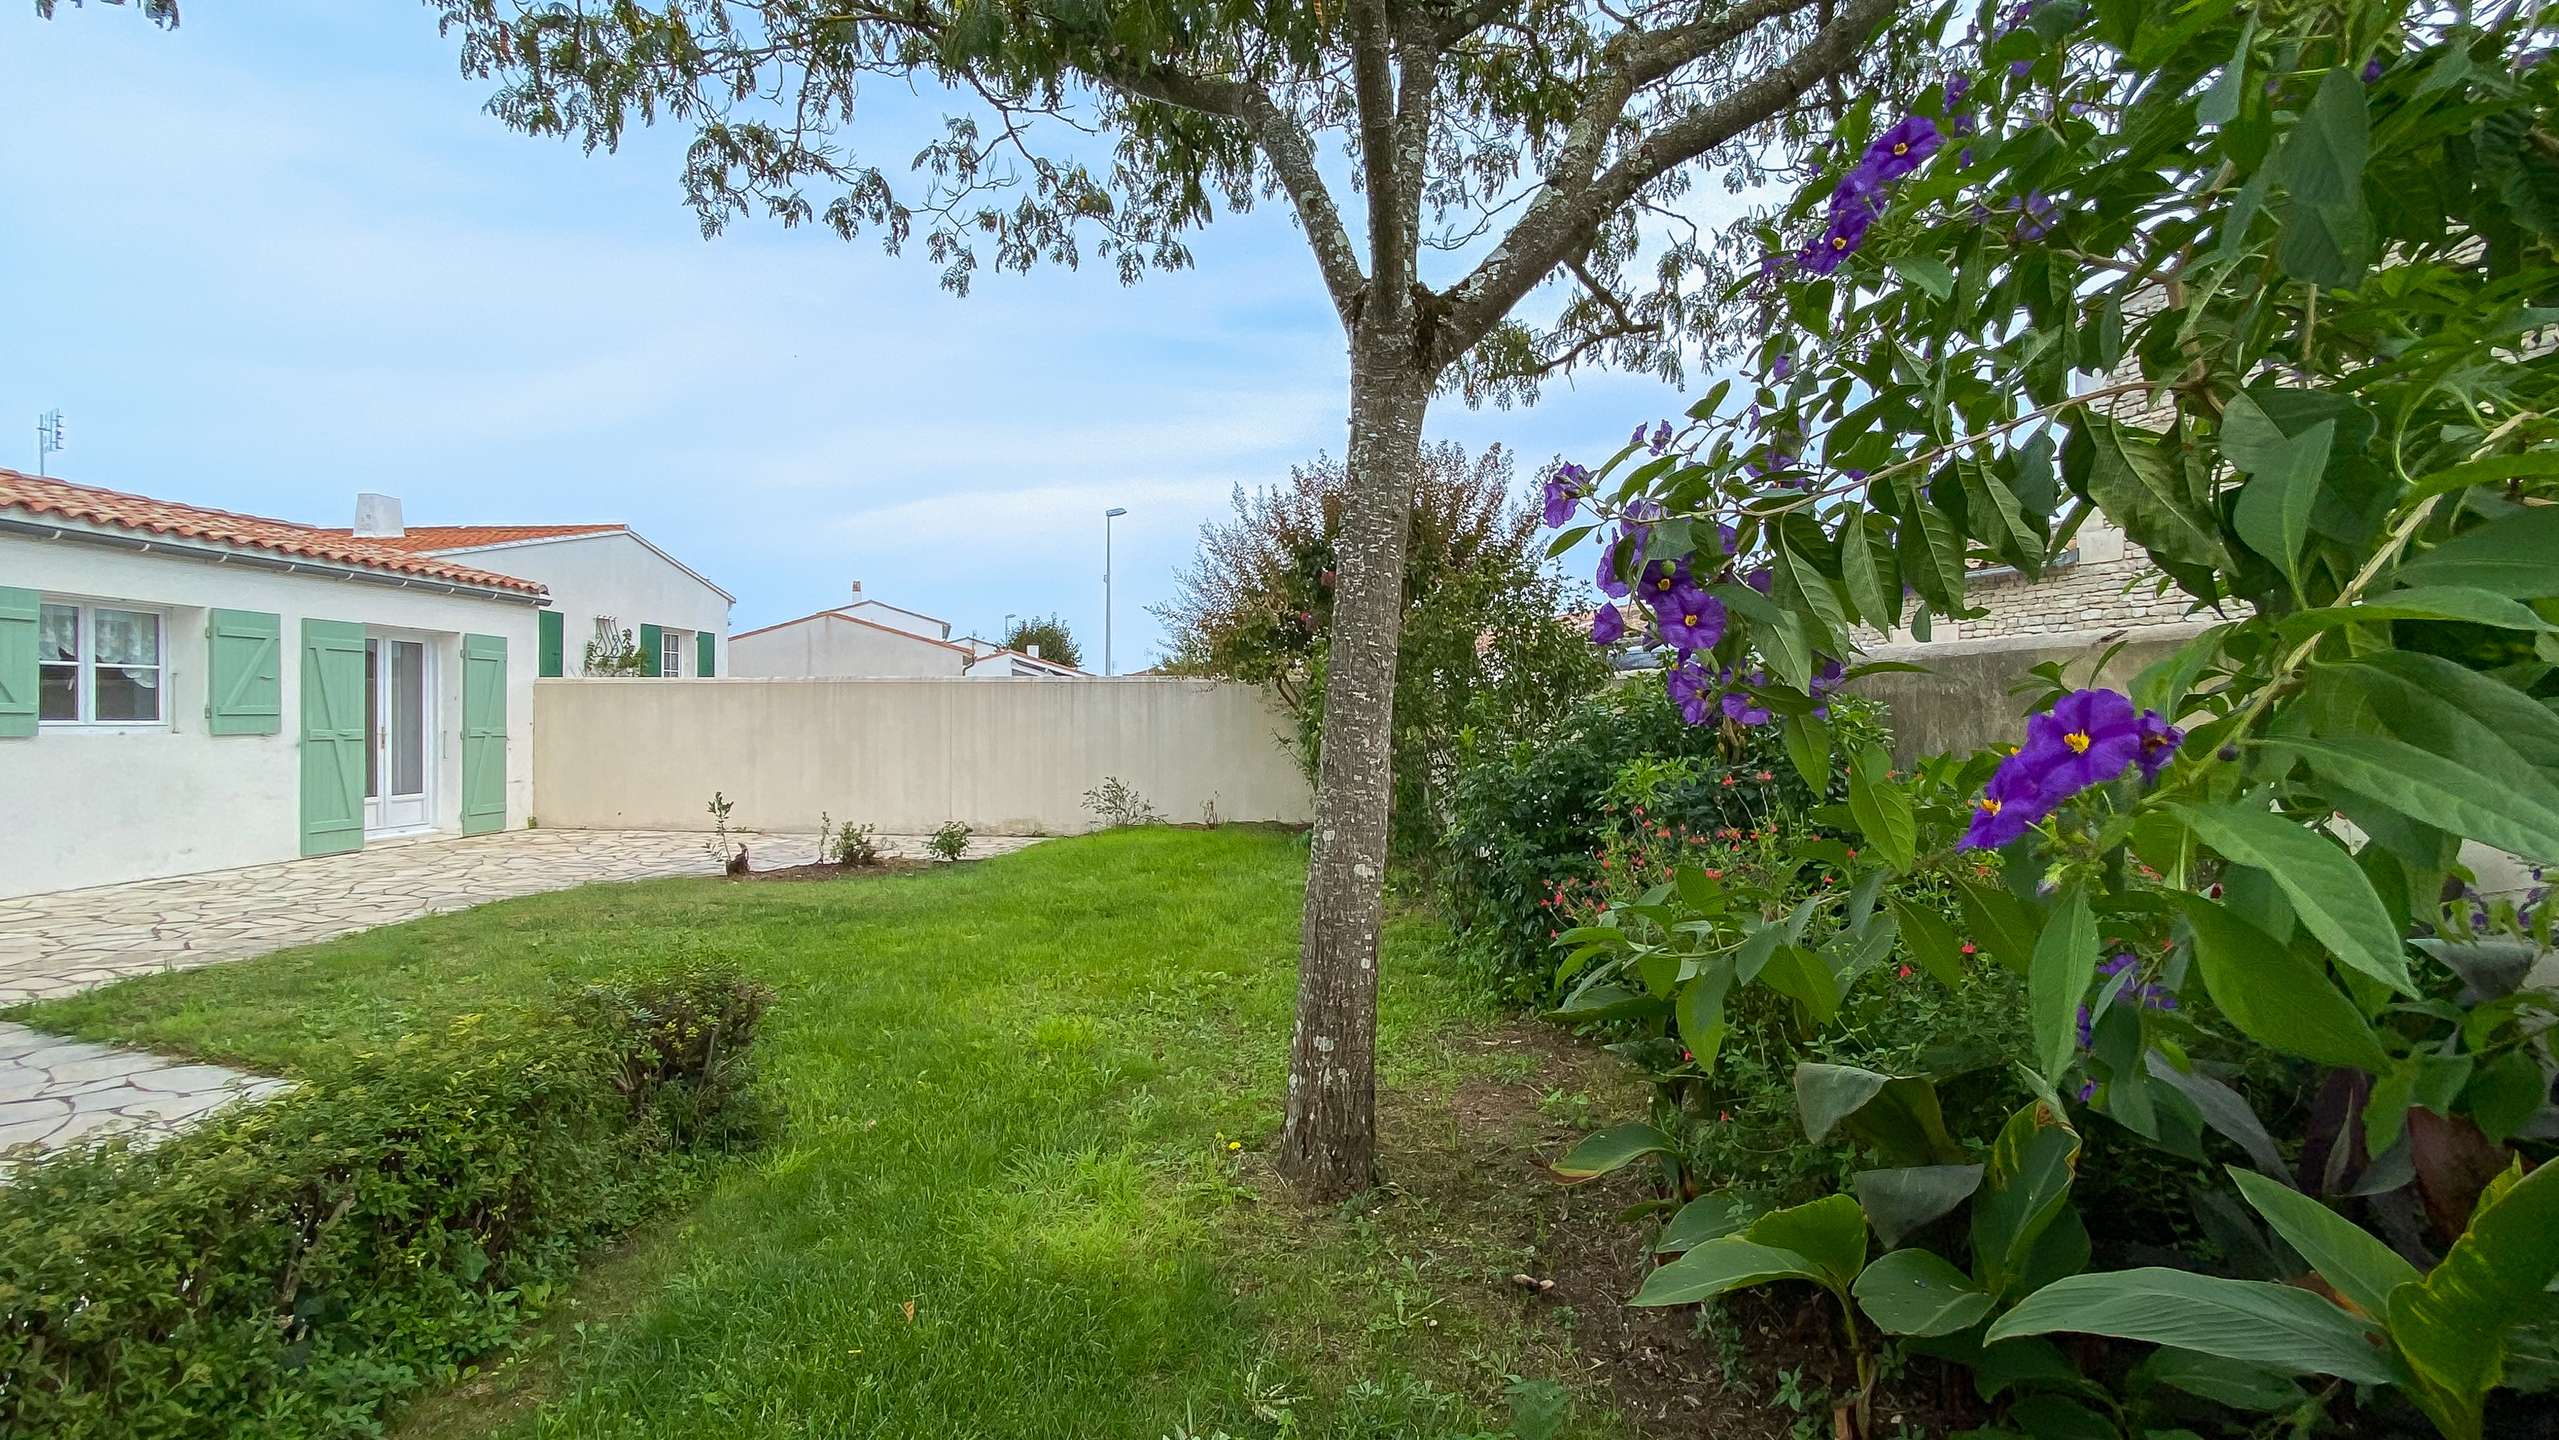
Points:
(1328, 1145)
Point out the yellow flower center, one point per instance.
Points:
(1901, 147)
(1989, 806)
(1839, 242)
(1691, 619)
(2078, 742)
(1663, 583)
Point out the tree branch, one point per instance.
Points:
(1579, 196)
(1292, 155)
(1373, 85)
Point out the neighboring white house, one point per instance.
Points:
(184, 689)
(606, 581)
(874, 640)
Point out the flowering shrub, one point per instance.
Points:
(1532, 816)
(2259, 286)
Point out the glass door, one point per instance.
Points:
(399, 718)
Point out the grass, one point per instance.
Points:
(1019, 1191)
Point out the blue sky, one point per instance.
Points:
(271, 259)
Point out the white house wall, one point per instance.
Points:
(612, 574)
(98, 806)
(832, 647)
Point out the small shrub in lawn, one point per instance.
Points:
(856, 847)
(1115, 802)
(950, 842)
(285, 1269)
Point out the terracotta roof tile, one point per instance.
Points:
(422, 538)
(91, 505)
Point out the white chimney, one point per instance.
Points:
(377, 517)
(1032, 649)
(857, 591)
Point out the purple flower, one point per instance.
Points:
(2038, 218)
(1781, 367)
(1740, 705)
(1691, 619)
(2019, 69)
(1612, 579)
(1829, 677)
(2087, 1032)
(2159, 742)
(1662, 577)
(2088, 738)
(1564, 491)
(1847, 231)
(1688, 686)
(2087, 1091)
(2372, 70)
(1661, 438)
(1903, 148)
(1638, 437)
(2009, 806)
(1760, 579)
(1957, 87)
(1606, 626)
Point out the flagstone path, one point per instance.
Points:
(56, 1092)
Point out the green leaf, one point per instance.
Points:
(2274, 996)
(1698, 1010)
(1931, 552)
(1829, 1232)
(2457, 1326)
(2423, 602)
(1988, 499)
(1898, 1115)
(1912, 1292)
(2132, 479)
(2435, 704)
(1800, 976)
(2327, 237)
(1612, 1149)
(1927, 272)
(2065, 963)
(2517, 555)
(2488, 470)
(1928, 939)
(2276, 1326)
(2234, 1383)
(2356, 1265)
(1721, 1266)
(2332, 897)
(1900, 1200)
(2220, 104)
(2273, 513)
(2024, 1185)
(1708, 1217)
(1605, 1001)
(2001, 921)
(1882, 809)
(1808, 746)
(2512, 809)
(1866, 565)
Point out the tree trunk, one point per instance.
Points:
(1329, 1144)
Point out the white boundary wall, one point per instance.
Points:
(904, 755)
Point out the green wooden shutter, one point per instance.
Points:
(244, 673)
(333, 737)
(18, 612)
(706, 654)
(552, 654)
(652, 639)
(483, 734)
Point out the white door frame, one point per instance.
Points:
(386, 813)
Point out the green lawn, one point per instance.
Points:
(1007, 1089)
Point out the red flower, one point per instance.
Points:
(1714, 874)
(1765, 777)
(1968, 947)
(1905, 972)
(1724, 1115)
(1728, 782)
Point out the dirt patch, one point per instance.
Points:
(815, 871)
(1766, 1363)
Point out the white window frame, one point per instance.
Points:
(671, 653)
(85, 685)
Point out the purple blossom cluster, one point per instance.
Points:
(2130, 989)
(2088, 738)
(1859, 201)
(1564, 491)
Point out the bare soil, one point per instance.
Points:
(815, 871)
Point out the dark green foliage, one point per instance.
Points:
(1531, 815)
(287, 1268)
(1056, 643)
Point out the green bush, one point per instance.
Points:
(1533, 816)
(286, 1268)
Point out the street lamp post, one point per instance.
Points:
(1108, 516)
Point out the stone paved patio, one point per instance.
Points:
(54, 1091)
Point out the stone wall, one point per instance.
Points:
(1962, 702)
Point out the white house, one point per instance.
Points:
(874, 640)
(184, 689)
(606, 582)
